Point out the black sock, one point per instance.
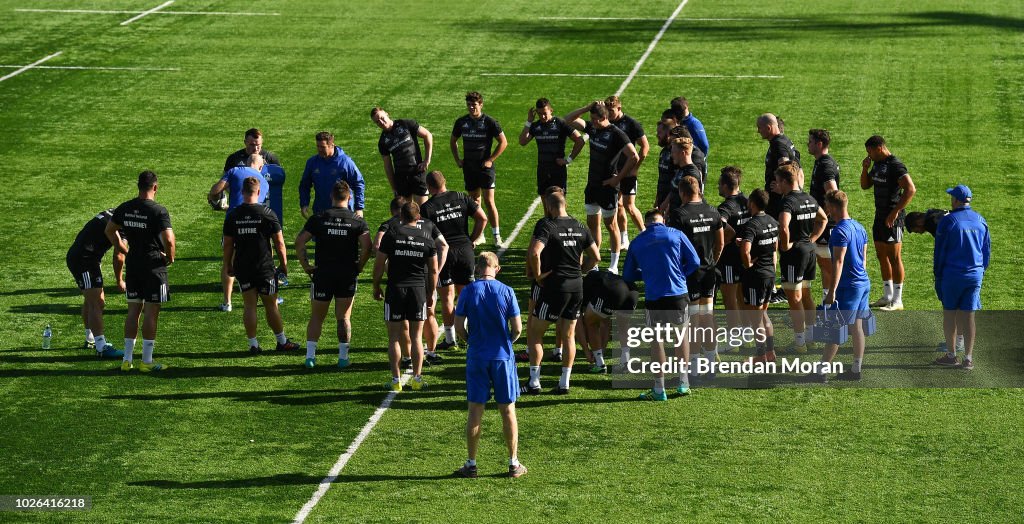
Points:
(770, 343)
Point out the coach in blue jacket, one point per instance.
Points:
(329, 165)
(962, 250)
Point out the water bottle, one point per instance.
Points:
(47, 335)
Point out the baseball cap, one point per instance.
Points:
(960, 192)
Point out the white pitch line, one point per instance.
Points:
(35, 64)
(99, 68)
(147, 12)
(609, 75)
(650, 48)
(106, 12)
(343, 459)
(519, 227)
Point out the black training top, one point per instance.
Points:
(409, 249)
(238, 158)
(91, 243)
(802, 210)
(336, 232)
(605, 148)
(565, 239)
(142, 221)
(251, 226)
(550, 137)
(780, 148)
(886, 176)
(825, 168)
(762, 231)
(401, 144)
(450, 212)
(477, 135)
(700, 223)
(735, 213)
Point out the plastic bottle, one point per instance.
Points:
(47, 335)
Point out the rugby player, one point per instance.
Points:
(145, 227)
(894, 189)
(399, 148)
(758, 243)
(556, 257)
(607, 144)
(925, 222)
(824, 178)
(327, 166)
(488, 317)
(83, 260)
(408, 253)
(663, 258)
(232, 181)
(681, 108)
(253, 146)
(478, 132)
(450, 211)
(682, 159)
(780, 149)
(627, 186)
(702, 225)
(801, 221)
(248, 233)
(550, 132)
(342, 249)
(667, 126)
(735, 214)
(605, 295)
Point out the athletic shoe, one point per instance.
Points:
(968, 364)
(848, 375)
(881, 302)
(433, 359)
(682, 390)
(342, 363)
(108, 351)
(513, 471)
(778, 297)
(623, 245)
(394, 386)
(404, 363)
(653, 395)
(255, 350)
(310, 363)
(446, 346)
(126, 366)
(815, 378)
(287, 346)
(560, 391)
(417, 384)
(767, 357)
(466, 472)
(498, 242)
(948, 360)
(151, 367)
(523, 356)
(478, 241)
(941, 348)
(553, 358)
(530, 390)
(280, 301)
(89, 345)
(598, 369)
(225, 308)
(894, 306)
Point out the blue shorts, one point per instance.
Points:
(853, 302)
(482, 375)
(964, 295)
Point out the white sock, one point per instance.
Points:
(897, 293)
(712, 355)
(514, 461)
(684, 379)
(101, 342)
(887, 290)
(801, 339)
(496, 231)
(471, 462)
(856, 364)
(563, 381)
(310, 349)
(429, 353)
(960, 342)
(624, 237)
(819, 367)
(613, 262)
(147, 351)
(395, 380)
(343, 350)
(253, 342)
(534, 376)
(624, 356)
(659, 385)
(599, 357)
(88, 336)
(449, 334)
(281, 339)
(129, 349)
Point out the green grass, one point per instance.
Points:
(224, 437)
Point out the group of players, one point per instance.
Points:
(428, 244)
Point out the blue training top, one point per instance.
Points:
(487, 306)
(850, 234)
(235, 177)
(321, 174)
(662, 257)
(963, 245)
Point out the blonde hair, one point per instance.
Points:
(485, 260)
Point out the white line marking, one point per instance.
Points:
(105, 12)
(608, 75)
(519, 227)
(99, 68)
(22, 69)
(683, 19)
(148, 12)
(650, 48)
(343, 459)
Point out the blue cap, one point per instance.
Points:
(960, 192)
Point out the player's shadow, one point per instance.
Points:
(282, 479)
(60, 309)
(54, 292)
(49, 359)
(287, 397)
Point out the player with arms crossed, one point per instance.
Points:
(550, 132)
(758, 243)
(824, 178)
(627, 186)
(735, 215)
(83, 260)
(399, 148)
(478, 132)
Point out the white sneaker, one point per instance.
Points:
(893, 306)
(881, 302)
(613, 270)
(225, 308)
(479, 240)
(498, 242)
(624, 245)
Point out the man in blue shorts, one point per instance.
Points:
(963, 248)
(487, 316)
(848, 243)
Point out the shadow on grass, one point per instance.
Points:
(284, 479)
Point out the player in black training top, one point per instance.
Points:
(735, 214)
(627, 186)
(894, 190)
(478, 132)
(554, 260)
(248, 232)
(758, 243)
(342, 249)
(682, 159)
(253, 146)
(824, 178)
(83, 260)
(450, 211)
(141, 229)
(801, 222)
(667, 170)
(605, 295)
(399, 148)
(410, 257)
(607, 145)
(927, 222)
(780, 149)
(550, 132)
(702, 225)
